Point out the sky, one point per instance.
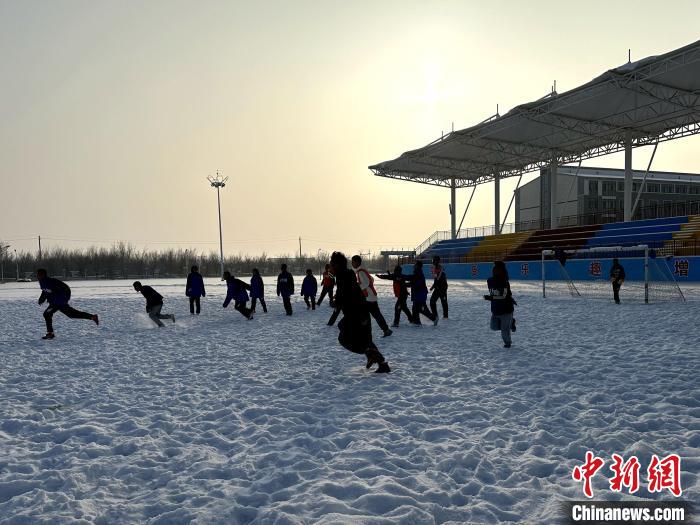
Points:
(114, 113)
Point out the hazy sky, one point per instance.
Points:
(113, 113)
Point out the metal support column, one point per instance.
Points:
(553, 217)
(453, 208)
(628, 178)
(497, 203)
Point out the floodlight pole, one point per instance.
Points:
(553, 179)
(497, 203)
(453, 207)
(628, 177)
(218, 183)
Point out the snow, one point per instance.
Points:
(217, 419)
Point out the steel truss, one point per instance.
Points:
(555, 131)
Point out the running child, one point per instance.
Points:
(154, 303)
(327, 282)
(502, 302)
(400, 292)
(57, 294)
(356, 325)
(236, 290)
(366, 282)
(285, 288)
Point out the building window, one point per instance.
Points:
(608, 204)
(652, 187)
(681, 188)
(593, 187)
(620, 186)
(667, 188)
(608, 188)
(695, 189)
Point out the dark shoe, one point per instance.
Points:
(373, 356)
(512, 325)
(507, 345)
(387, 333)
(435, 322)
(49, 335)
(172, 316)
(95, 319)
(395, 325)
(383, 368)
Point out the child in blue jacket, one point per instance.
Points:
(309, 287)
(194, 289)
(419, 295)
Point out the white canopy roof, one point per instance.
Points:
(654, 99)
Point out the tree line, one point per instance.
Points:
(124, 261)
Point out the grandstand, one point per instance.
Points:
(666, 235)
(638, 104)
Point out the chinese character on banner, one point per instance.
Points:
(595, 269)
(525, 269)
(681, 267)
(586, 471)
(475, 270)
(626, 474)
(665, 474)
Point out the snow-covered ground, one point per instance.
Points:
(216, 419)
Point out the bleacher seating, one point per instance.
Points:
(495, 247)
(569, 238)
(450, 248)
(668, 236)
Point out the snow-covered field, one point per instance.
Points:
(221, 420)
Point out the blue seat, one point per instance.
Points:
(645, 222)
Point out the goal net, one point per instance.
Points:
(585, 273)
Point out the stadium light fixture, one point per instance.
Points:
(218, 182)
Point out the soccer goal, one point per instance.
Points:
(585, 273)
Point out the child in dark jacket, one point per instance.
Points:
(154, 304)
(309, 287)
(355, 327)
(502, 302)
(401, 294)
(439, 288)
(236, 291)
(257, 290)
(419, 295)
(194, 289)
(617, 277)
(57, 293)
(285, 288)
